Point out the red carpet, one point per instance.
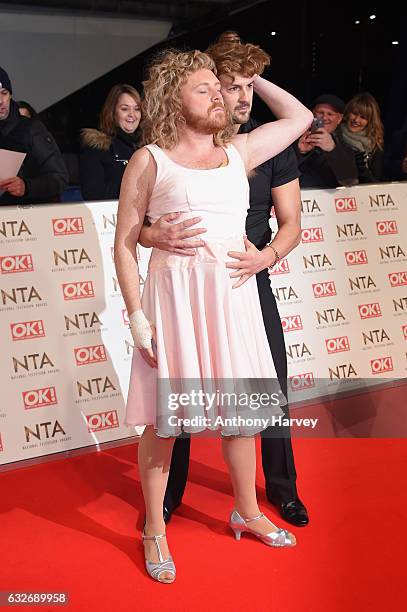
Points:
(74, 525)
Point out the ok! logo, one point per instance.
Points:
(67, 226)
(11, 264)
(27, 330)
(78, 291)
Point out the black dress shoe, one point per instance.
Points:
(169, 506)
(293, 511)
(167, 513)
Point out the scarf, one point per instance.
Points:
(358, 141)
(130, 139)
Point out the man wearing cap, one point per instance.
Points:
(324, 160)
(43, 175)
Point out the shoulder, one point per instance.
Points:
(142, 164)
(41, 139)
(36, 127)
(95, 139)
(139, 176)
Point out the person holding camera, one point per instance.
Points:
(324, 159)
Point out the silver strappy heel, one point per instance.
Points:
(156, 569)
(279, 537)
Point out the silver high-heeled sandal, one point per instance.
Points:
(279, 537)
(156, 569)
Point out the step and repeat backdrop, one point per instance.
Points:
(66, 346)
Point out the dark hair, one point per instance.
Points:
(31, 110)
(107, 122)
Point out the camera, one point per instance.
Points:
(316, 124)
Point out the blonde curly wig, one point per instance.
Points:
(162, 107)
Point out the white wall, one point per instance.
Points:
(49, 56)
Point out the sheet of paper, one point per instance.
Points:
(10, 164)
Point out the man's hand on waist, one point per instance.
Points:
(173, 237)
(250, 262)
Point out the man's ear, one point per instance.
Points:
(340, 118)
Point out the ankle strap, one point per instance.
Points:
(255, 518)
(153, 537)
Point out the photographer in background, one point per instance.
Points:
(324, 160)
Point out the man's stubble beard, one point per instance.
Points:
(241, 117)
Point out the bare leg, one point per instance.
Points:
(240, 456)
(154, 459)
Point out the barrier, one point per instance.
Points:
(342, 294)
(66, 346)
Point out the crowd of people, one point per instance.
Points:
(189, 153)
(344, 146)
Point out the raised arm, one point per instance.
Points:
(293, 118)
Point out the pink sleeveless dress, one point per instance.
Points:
(213, 355)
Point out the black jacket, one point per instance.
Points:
(328, 169)
(103, 161)
(43, 171)
(370, 166)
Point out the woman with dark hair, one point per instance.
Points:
(107, 151)
(362, 130)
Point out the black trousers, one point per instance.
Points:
(276, 451)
